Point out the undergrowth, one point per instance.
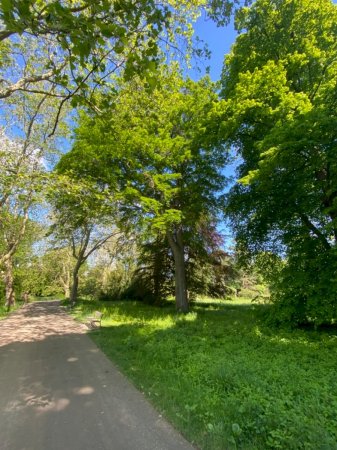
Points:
(222, 377)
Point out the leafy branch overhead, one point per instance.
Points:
(67, 49)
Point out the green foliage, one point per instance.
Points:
(103, 282)
(153, 279)
(157, 158)
(305, 288)
(156, 152)
(280, 97)
(22, 272)
(3, 309)
(64, 49)
(48, 273)
(223, 377)
(207, 275)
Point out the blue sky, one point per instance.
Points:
(219, 41)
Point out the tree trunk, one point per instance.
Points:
(157, 275)
(65, 280)
(177, 247)
(9, 283)
(66, 291)
(74, 287)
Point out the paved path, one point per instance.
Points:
(58, 391)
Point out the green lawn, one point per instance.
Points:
(222, 377)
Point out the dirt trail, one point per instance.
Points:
(58, 391)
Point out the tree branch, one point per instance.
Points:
(306, 221)
(99, 244)
(21, 84)
(4, 34)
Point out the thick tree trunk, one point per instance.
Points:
(9, 284)
(177, 247)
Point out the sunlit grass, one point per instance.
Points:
(223, 377)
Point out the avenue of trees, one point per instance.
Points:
(135, 206)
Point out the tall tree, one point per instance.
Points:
(20, 184)
(24, 156)
(155, 152)
(48, 272)
(279, 86)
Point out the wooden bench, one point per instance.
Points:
(95, 321)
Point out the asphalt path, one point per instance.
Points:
(58, 391)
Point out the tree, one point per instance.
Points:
(48, 272)
(158, 158)
(20, 183)
(111, 270)
(280, 111)
(82, 221)
(153, 278)
(24, 156)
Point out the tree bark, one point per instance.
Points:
(74, 287)
(65, 280)
(9, 284)
(177, 247)
(66, 291)
(157, 275)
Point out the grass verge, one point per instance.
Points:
(222, 377)
(4, 311)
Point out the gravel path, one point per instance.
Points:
(58, 391)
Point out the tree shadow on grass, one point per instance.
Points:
(206, 367)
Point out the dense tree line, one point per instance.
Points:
(279, 86)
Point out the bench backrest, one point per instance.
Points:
(98, 314)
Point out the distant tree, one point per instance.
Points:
(110, 272)
(211, 271)
(153, 277)
(48, 272)
(15, 271)
(279, 87)
(81, 221)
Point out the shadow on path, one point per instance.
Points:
(59, 391)
(36, 321)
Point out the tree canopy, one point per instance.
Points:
(279, 86)
(156, 155)
(67, 49)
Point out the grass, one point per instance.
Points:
(4, 311)
(222, 377)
